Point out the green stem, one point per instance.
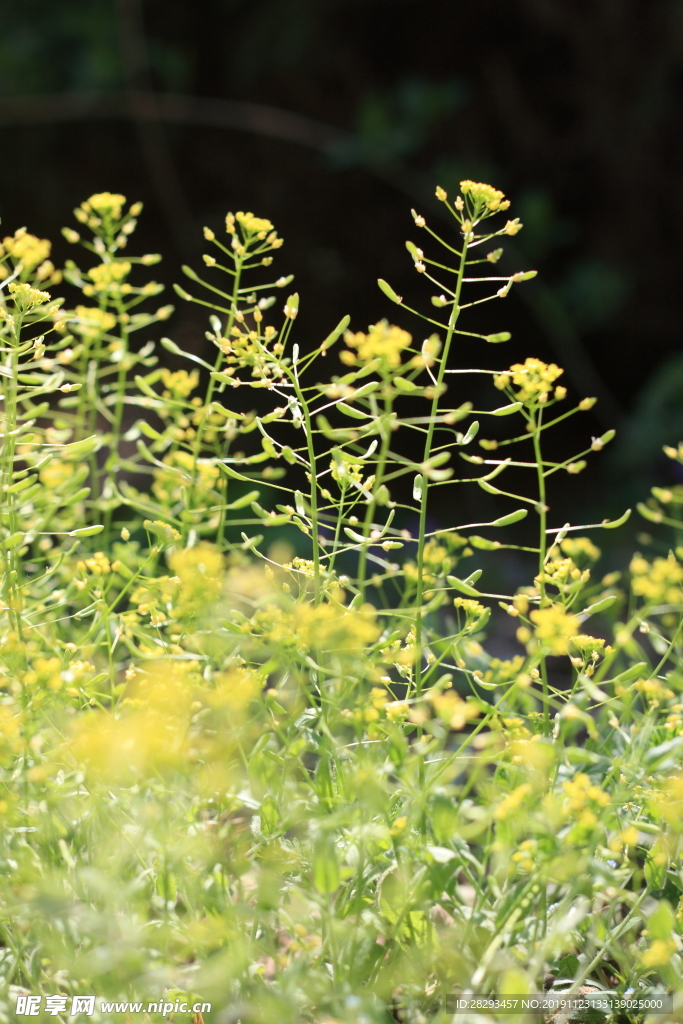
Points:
(542, 548)
(239, 261)
(453, 319)
(371, 507)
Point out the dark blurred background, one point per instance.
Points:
(333, 117)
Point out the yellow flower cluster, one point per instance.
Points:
(345, 473)
(105, 205)
(452, 709)
(555, 628)
(98, 564)
(525, 855)
(511, 803)
(659, 954)
(201, 574)
(582, 792)
(91, 321)
(334, 628)
(484, 197)
(533, 377)
(562, 572)
(250, 348)
(179, 383)
(653, 690)
(439, 557)
(383, 341)
(26, 297)
(28, 249)
(168, 483)
(579, 548)
(660, 581)
(588, 645)
(46, 671)
(472, 609)
(253, 225)
(56, 473)
(108, 277)
(500, 671)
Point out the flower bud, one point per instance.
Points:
(441, 194)
(587, 403)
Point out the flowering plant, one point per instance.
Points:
(254, 749)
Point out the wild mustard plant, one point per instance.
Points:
(253, 748)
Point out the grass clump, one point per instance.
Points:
(254, 750)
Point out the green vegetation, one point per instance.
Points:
(254, 750)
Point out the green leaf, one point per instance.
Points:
(348, 410)
(513, 517)
(364, 389)
(489, 488)
(77, 449)
(13, 541)
(228, 413)
(483, 544)
(472, 432)
(86, 531)
(21, 485)
(270, 816)
(192, 274)
(171, 346)
(336, 333)
(245, 500)
(638, 669)
(326, 874)
(617, 522)
(405, 385)
(599, 606)
(507, 410)
(389, 291)
(462, 586)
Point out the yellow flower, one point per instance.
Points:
(451, 708)
(383, 341)
(109, 276)
(26, 297)
(179, 383)
(251, 224)
(554, 628)
(27, 248)
(92, 321)
(534, 378)
(660, 581)
(105, 204)
(471, 608)
(588, 644)
(659, 953)
(201, 573)
(483, 198)
(98, 564)
(580, 547)
(581, 791)
(525, 855)
(512, 802)
(653, 689)
(56, 472)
